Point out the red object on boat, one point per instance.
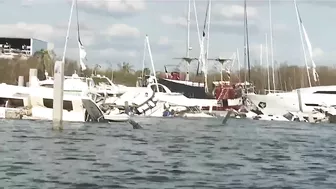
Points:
(175, 76)
(224, 92)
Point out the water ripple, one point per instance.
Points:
(168, 153)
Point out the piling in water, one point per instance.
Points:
(58, 92)
(299, 99)
(21, 81)
(32, 76)
(127, 110)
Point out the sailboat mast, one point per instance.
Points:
(143, 59)
(302, 43)
(261, 54)
(188, 41)
(267, 63)
(68, 31)
(198, 34)
(188, 31)
(245, 46)
(208, 36)
(271, 42)
(203, 55)
(152, 62)
(238, 61)
(247, 51)
(78, 34)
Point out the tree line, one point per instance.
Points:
(287, 77)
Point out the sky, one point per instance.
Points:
(113, 31)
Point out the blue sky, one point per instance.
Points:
(114, 30)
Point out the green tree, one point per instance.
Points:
(126, 67)
(146, 71)
(45, 63)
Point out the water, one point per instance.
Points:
(167, 153)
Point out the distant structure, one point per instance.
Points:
(22, 47)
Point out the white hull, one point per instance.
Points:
(281, 103)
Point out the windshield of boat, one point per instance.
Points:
(101, 81)
(193, 109)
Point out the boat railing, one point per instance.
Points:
(267, 91)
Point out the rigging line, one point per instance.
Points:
(203, 34)
(78, 23)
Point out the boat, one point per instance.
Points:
(14, 104)
(281, 103)
(36, 103)
(95, 114)
(223, 97)
(303, 100)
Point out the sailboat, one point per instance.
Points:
(299, 100)
(226, 98)
(173, 80)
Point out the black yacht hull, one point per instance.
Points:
(187, 90)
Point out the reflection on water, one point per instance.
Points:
(167, 153)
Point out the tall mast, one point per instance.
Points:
(68, 31)
(152, 62)
(298, 17)
(202, 53)
(267, 63)
(238, 61)
(198, 34)
(271, 42)
(188, 31)
(208, 36)
(188, 42)
(261, 54)
(247, 49)
(144, 58)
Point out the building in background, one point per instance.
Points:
(22, 47)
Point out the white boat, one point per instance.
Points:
(282, 103)
(39, 102)
(13, 104)
(94, 113)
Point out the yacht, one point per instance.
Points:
(149, 99)
(223, 97)
(282, 103)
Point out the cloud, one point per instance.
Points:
(163, 40)
(255, 50)
(21, 29)
(318, 52)
(236, 12)
(93, 41)
(115, 52)
(218, 25)
(54, 34)
(163, 44)
(227, 19)
(122, 30)
(179, 21)
(234, 27)
(278, 27)
(115, 8)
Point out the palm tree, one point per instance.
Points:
(146, 71)
(125, 67)
(45, 63)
